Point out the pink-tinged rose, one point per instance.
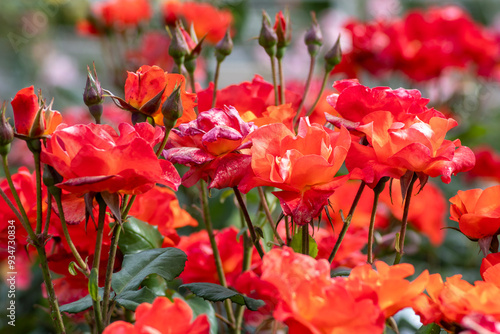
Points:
(96, 158)
(213, 146)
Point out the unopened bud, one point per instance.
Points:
(92, 95)
(313, 37)
(172, 108)
(267, 37)
(178, 46)
(334, 56)
(224, 47)
(283, 31)
(6, 133)
(50, 178)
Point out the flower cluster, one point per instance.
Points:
(422, 45)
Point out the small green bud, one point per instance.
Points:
(268, 38)
(6, 133)
(178, 48)
(313, 37)
(172, 108)
(334, 56)
(224, 47)
(92, 95)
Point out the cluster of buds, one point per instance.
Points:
(185, 47)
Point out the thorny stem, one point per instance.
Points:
(40, 247)
(247, 262)
(323, 85)
(216, 82)
(163, 142)
(97, 259)
(11, 205)
(67, 236)
(38, 175)
(109, 272)
(193, 88)
(306, 89)
(287, 229)
(263, 201)
(213, 243)
(282, 81)
(251, 229)
(275, 81)
(305, 239)
(347, 222)
(47, 217)
(377, 191)
(404, 221)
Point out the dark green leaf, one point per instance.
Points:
(81, 304)
(429, 329)
(131, 299)
(166, 262)
(215, 293)
(139, 236)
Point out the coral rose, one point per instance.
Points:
(162, 317)
(95, 158)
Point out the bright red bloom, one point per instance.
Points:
(354, 101)
(147, 82)
(349, 253)
(250, 98)
(26, 106)
(477, 212)
(95, 158)
(207, 19)
(200, 265)
(160, 207)
(122, 14)
(487, 164)
(310, 301)
(211, 146)
(284, 160)
(162, 317)
(25, 185)
(422, 45)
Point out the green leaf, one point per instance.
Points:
(131, 299)
(200, 306)
(166, 262)
(139, 236)
(72, 269)
(93, 284)
(81, 304)
(296, 244)
(429, 329)
(215, 293)
(156, 283)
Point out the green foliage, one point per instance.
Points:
(215, 293)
